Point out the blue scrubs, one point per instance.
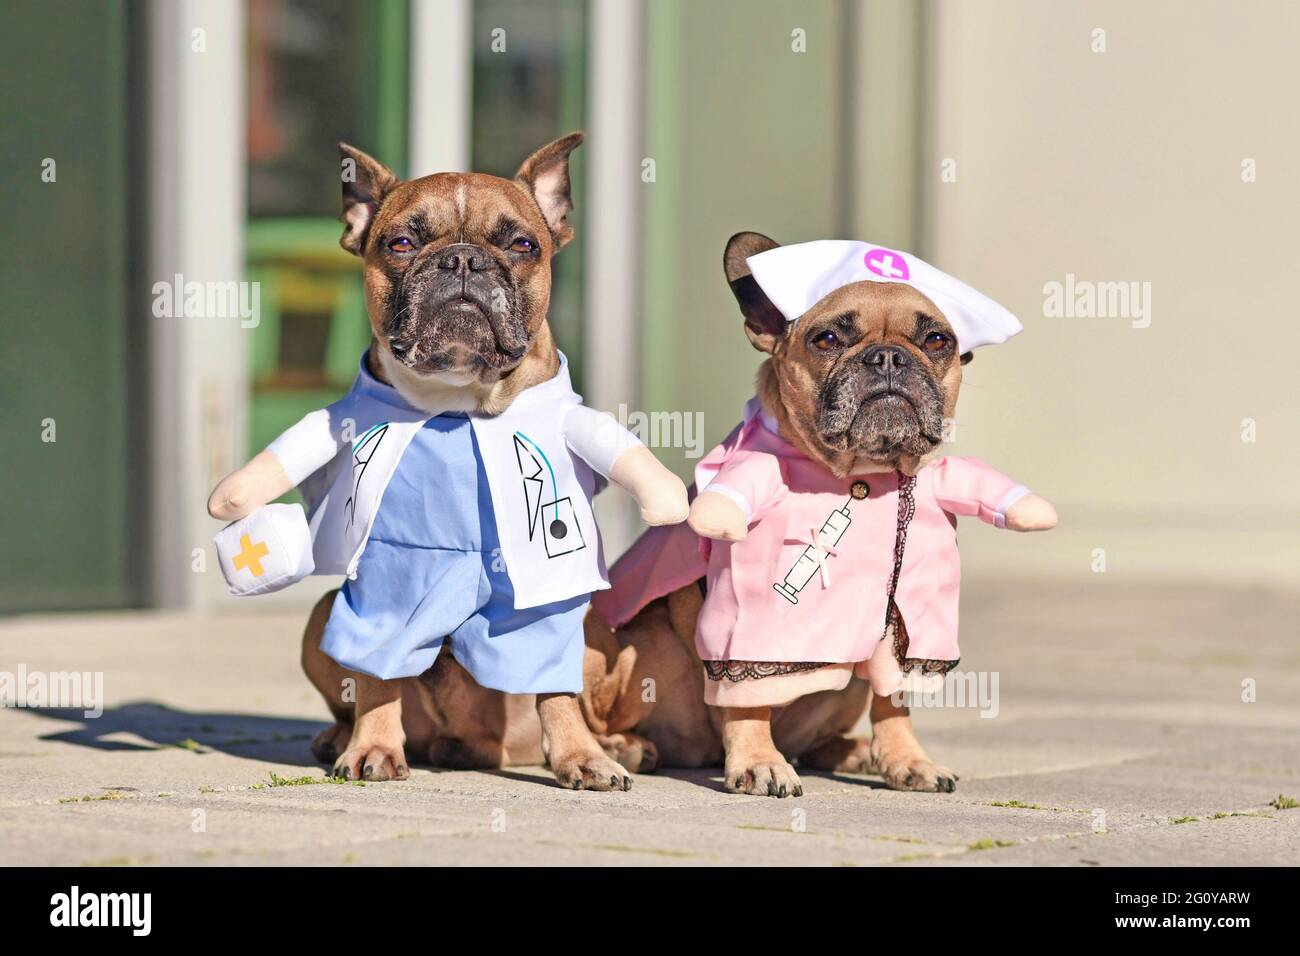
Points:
(432, 569)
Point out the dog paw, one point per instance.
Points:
(375, 762)
(915, 773)
(330, 742)
(590, 770)
(772, 777)
(632, 751)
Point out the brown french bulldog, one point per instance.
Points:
(457, 286)
(825, 388)
(831, 413)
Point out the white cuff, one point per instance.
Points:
(1009, 499)
(734, 495)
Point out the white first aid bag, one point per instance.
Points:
(267, 551)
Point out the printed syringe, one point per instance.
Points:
(837, 522)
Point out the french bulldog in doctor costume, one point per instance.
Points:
(451, 485)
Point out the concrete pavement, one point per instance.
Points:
(1122, 737)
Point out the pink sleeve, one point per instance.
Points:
(967, 486)
(753, 480)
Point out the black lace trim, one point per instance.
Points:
(737, 671)
(924, 665)
(906, 511)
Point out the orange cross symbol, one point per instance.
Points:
(250, 555)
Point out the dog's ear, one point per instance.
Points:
(365, 183)
(545, 174)
(764, 324)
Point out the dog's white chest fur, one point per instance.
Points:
(436, 393)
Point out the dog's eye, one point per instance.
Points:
(936, 342)
(522, 245)
(826, 341)
(401, 244)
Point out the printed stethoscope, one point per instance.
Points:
(557, 528)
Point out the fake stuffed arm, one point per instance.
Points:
(744, 489)
(298, 452)
(620, 456)
(967, 486)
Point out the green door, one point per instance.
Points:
(70, 370)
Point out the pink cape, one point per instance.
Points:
(666, 558)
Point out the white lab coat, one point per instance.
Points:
(539, 456)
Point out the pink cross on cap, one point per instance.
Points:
(886, 264)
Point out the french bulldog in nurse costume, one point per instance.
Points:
(821, 551)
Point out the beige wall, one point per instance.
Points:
(745, 134)
(1126, 165)
(1123, 165)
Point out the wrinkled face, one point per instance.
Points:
(457, 270)
(457, 265)
(872, 370)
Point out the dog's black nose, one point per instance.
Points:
(463, 257)
(886, 358)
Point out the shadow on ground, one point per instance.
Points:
(148, 726)
(155, 726)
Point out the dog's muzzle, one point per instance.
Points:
(458, 311)
(882, 404)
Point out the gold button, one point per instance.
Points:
(859, 490)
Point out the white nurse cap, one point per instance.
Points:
(796, 277)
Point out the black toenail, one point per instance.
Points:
(781, 792)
